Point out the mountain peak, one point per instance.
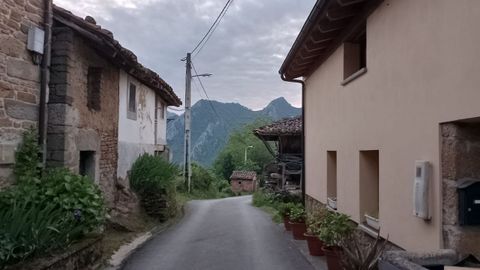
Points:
(280, 108)
(211, 127)
(279, 101)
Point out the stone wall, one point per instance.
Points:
(19, 77)
(73, 127)
(243, 185)
(460, 159)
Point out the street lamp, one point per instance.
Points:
(246, 150)
(202, 75)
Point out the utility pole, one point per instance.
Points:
(246, 153)
(187, 167)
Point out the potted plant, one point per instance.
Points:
(372, 221)
(359, 253)
(284, 211)
(334, 228)
(314, 243)
(297, 222)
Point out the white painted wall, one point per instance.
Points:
(136, 137)
(423, 63)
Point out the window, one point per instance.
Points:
(94, 82)
(132, 102)
(332, 178)
(161, 109)
(355, 55)
(87, 164)
(369, 184)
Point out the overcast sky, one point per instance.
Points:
(244, 53)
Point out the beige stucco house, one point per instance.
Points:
(391, 96)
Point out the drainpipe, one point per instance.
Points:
(303, 131)
(44, 81)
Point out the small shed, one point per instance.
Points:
(286, 173)
(243, 181)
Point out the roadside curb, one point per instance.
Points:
(118, 259)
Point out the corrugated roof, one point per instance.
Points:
(244, 175)
(103, 40)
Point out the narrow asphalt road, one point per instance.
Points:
(226, 234)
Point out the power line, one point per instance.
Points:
(213, 31)
(213, 108)
(213, 26)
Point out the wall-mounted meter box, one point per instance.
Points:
(421, 190)
(36, 38)
(469, 201)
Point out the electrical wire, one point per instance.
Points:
(213, 31)
(211, 105)
(213, 26)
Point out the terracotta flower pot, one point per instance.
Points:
(314, 245)
(298, 230)
(333, 256)
(286, 223)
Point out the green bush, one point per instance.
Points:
(152, 173)
(153, 178)
(297, 213)
(28, 229)
(45, 210)
(334, 228)
(27, 161)
(261, 198)
(285, 208)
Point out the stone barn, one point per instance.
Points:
(243, 181)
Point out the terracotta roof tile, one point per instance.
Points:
(244, 175)
(289, 126)
(103, 40)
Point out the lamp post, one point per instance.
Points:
(246, 152)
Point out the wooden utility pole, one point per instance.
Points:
(187, 167)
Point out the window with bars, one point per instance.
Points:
(94, 85)
(132, 101)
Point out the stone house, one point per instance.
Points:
(243, 181)
(392, 121)
(92, 78)
(103, 104)
(19, 77)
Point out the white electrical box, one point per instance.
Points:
(36, 38)
(421, 190)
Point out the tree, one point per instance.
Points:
(232, 155)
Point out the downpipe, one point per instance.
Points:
(44, 81)
(303, 131)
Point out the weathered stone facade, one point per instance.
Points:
(460, 159)
(73, 127)
(19, 77)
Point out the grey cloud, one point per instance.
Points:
(244, 54)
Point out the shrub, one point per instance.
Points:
(360, 253)
(153, 178)
(74, 194)
(286, 197)
(28, 229)
(314, 221)
(285, 208)
(297, 213)
(262, 198)
(45, 210)
(27, 161)
(152, 172)
(334, 228)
